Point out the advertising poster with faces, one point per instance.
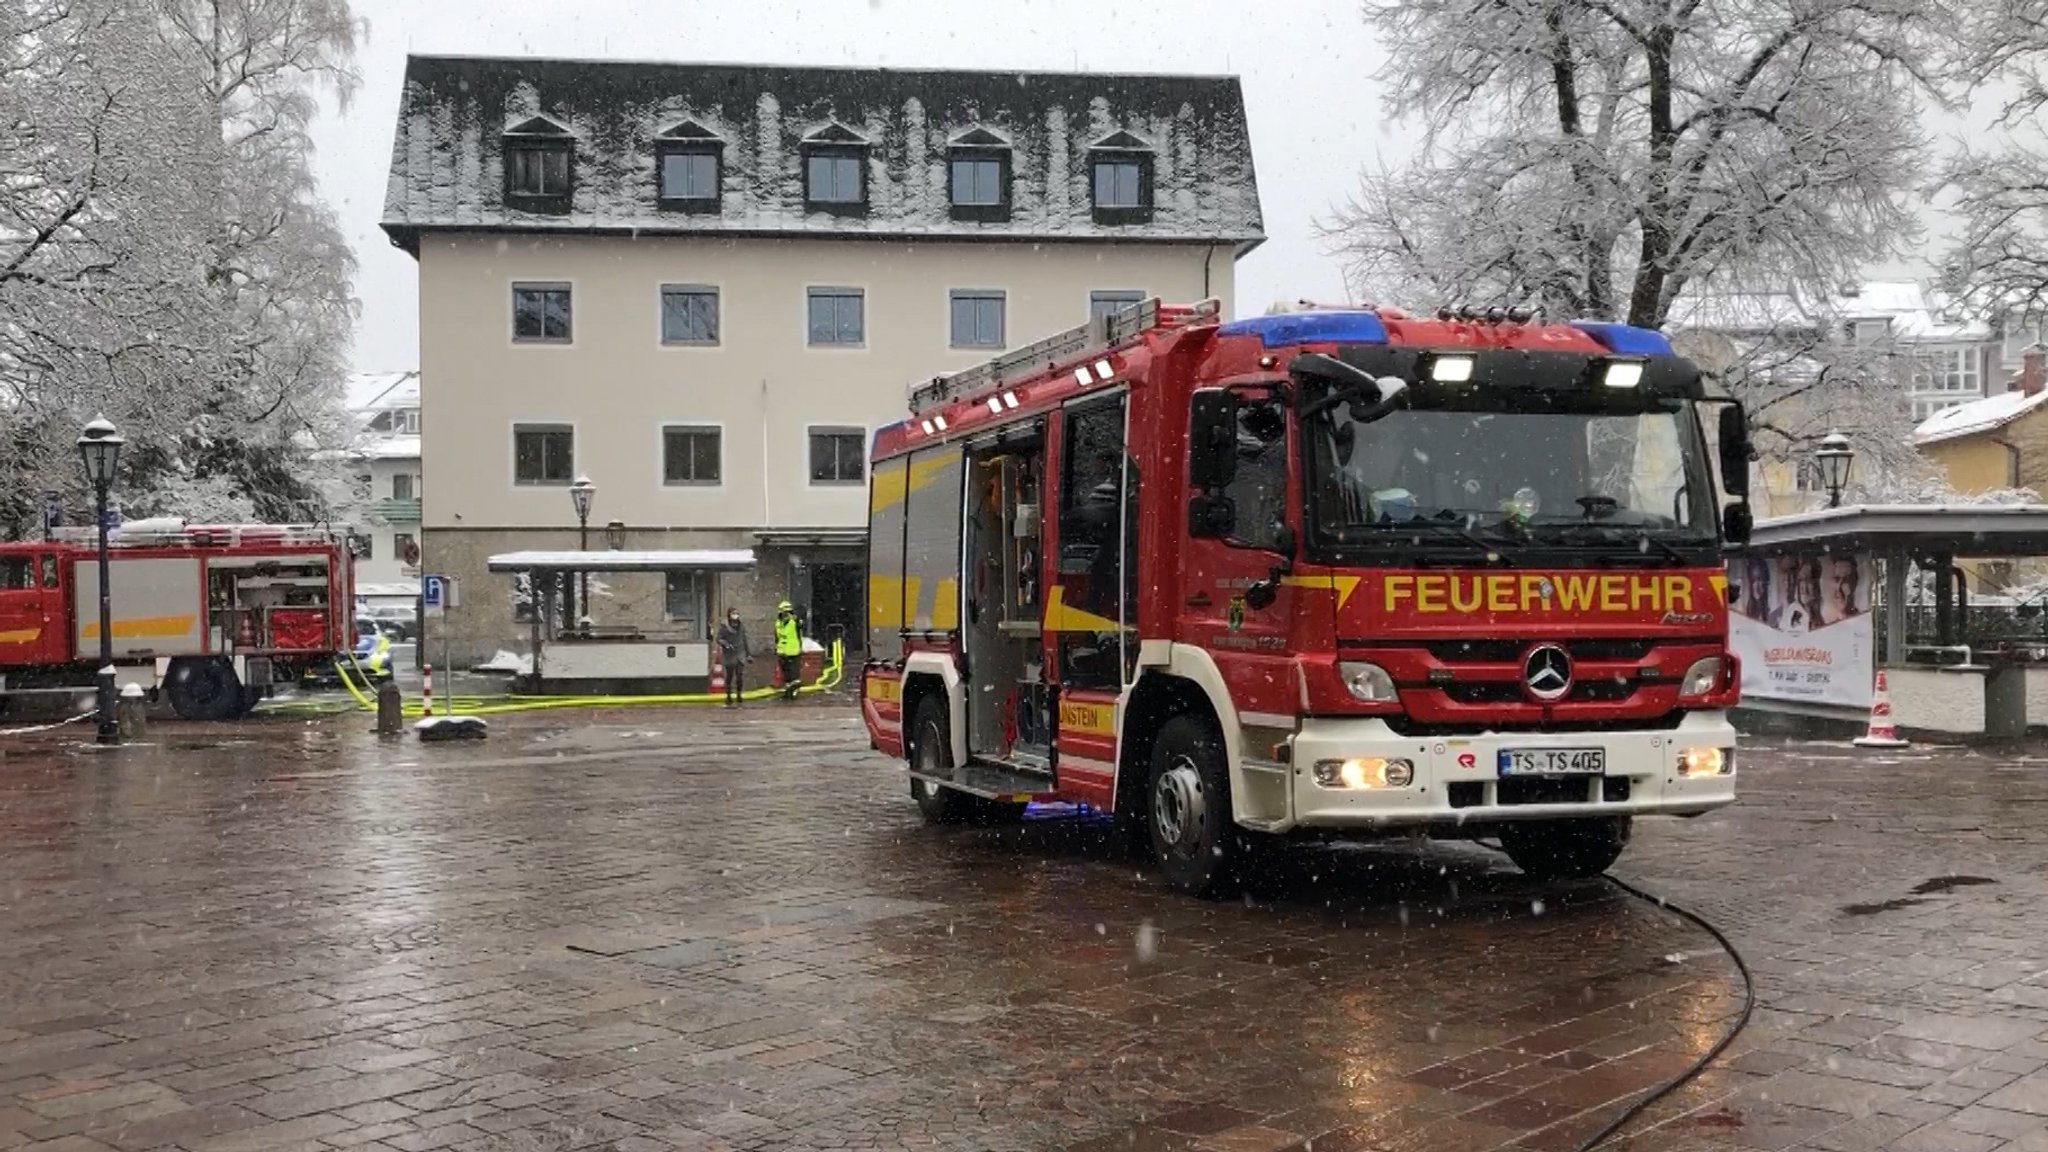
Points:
(1801, 626)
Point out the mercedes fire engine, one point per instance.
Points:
(1341, 571)
(211, 615)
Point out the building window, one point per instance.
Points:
(1111, 302)
(689, 175)
(690, 454)
(1116, 184)
(409, 422)
(977, 181)
(401, 486)
(405, 548)
(543, 453)
(838, 456)
(834, 178)
(686, 601)
(537, 170)
(977, 318)
(540, 313)
(837, 316)
(1947, 370)
(689, 314)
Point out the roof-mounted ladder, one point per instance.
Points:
(1099, 333)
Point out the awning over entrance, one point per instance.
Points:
(736, 560)
(1966, 530)
(811, 537)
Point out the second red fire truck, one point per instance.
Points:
(212, 615)
(1333, 572)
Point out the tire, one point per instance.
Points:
(1187, 810)
(931, 754)
(206, 689)
(1565, 849)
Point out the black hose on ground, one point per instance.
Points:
(1700, 1065)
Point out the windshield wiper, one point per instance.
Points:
(1621, 535)
(1496, 550)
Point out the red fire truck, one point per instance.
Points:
(211, 615)
(1342, 571)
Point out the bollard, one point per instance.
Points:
(130, 712)
(427, 689)
(390, 710)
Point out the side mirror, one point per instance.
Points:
(1212, 438)
(1211, 516)
(1737, 521)
(1736, 451)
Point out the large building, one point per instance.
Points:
(704, 286)
(386, 455)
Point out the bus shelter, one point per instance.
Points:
(1820, 600)
(620, 658)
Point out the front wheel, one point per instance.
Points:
(207, 689)
(1187, 809)
(1565, 849)
(931, 754)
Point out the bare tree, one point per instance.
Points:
(1604, 157)
(1999, 263)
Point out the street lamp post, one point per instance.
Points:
(581, 493)
(100, 447)
(1834, 458)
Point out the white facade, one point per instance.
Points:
(386, 406)
(762, 389)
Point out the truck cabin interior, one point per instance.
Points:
(1008, 717)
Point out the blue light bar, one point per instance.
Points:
(1310, 328)
(1626, 339)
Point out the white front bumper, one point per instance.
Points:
(1648, 760)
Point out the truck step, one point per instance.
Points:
(996, 782)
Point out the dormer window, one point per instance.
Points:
(978, 176)
(689, 168)
(539, 166)
(836, 171)
(1120, 170)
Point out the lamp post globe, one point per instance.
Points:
(581, 493)
(1833, 459)
(99, 448)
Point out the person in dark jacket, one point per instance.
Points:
(734, 653)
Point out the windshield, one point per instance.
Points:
(1565, 469)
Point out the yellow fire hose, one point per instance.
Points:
(829, 678)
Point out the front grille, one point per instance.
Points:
(1407, 725)
(1510, 691)
(1544, 790)
(1509, 651)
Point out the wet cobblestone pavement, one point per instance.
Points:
(717, 931)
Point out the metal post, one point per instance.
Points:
(110, 728)
(582, 577)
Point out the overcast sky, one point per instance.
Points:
(1307, 67)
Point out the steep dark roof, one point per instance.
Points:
(447, 166)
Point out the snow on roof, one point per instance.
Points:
(737, 560)
(1910, 312)
(388, 448)
(371, 392)
(1977, 416)
(447, 161)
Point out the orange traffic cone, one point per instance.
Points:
(1882, 733)
(717, 675)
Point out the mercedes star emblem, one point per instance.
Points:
(1547, 670)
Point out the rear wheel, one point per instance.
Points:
(1565, 849)
(207, 689)
(1187, 806)
(931, 754)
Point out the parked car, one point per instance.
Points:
(372, 657)
(401, 622)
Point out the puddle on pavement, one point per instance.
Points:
(1946, 883)
(1881, 906)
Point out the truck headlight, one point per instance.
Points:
(1368, 682)
(1702, 678)
(1365, 772)
(1706, 762)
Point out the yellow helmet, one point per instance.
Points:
(784, 607)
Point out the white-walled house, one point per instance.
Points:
(386, 454)
(704, 286)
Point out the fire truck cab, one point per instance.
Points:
(1335, 572)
